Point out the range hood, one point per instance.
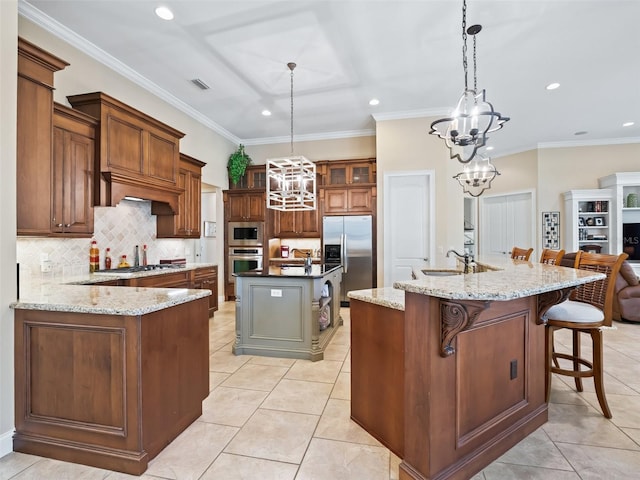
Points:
(117, 187)
(136, 154)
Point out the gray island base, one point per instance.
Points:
(289, 312)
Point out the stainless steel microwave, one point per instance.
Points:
(245, 233)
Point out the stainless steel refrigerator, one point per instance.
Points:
(348, 241)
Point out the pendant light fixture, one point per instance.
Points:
(477, 175)
(465, 131)
(291, 181)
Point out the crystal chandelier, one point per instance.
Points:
(465, 131)
(291, 181)
(477, 175)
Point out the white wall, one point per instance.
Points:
(407, 145)
(8, 85)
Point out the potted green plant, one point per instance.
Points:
(237, 164)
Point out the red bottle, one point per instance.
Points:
(107, 259)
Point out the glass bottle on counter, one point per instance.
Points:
(144, 255)
(94, 257)
(136, 256)
(107, 259)
(123, 262)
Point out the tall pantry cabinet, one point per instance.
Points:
(34, 166)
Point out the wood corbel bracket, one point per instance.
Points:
(454, 318)
(549, 299)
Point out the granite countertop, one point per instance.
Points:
(386, 297)
(79, 294)
(316, 271)
(504, 279)
(292, 260)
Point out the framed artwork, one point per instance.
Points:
(551, 230)
(599, 221)
(581, 222)
(210, 229)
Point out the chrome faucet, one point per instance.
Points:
(466, 259)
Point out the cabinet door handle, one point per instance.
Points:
(68, 225)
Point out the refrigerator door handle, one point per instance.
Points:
(344, 258)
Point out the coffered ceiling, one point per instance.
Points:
(407, 54)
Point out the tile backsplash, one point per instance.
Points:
(120, 228)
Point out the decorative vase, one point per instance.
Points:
(632, 200)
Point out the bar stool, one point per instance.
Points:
(521, 253)
(551, 257)
(588, 310)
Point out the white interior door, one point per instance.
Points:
(408, 236)
(506, 221)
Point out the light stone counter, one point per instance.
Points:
(385, 297)
(78, 294)
(505, 279)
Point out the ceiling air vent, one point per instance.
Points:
(200, 84)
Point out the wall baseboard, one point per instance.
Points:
(6, 443)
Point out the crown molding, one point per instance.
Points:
(590, 143)
(54, 27)
(310, 137)
(406, 114)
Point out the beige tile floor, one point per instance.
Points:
(280, 419)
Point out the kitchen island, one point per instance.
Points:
(287, 311)
(108, 375)
(448, 371)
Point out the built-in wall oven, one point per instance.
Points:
(245, 233)
(243, 259)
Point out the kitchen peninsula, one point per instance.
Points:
(108, 375)
(287, 311)
(451, 374)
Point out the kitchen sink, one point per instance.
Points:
(441, 273)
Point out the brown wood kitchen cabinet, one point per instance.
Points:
(185, 223)
(347, 172)
(348, 186)
(72, 179)
(349, 200)
(109, 390)
(297, 224)
(207, 278)
(181, 279)
(34, 170)
(255, 176)
(137, 155)
(243, 206)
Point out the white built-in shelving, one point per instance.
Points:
(588, 220)
(622, 184)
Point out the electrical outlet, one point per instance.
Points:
(46, 266)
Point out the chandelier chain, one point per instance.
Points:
(291, 109)
(475, 70)
(464, 42)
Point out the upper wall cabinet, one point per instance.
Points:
(34, 169)
(347, 172)
(73, 161)
(255, 177)
(186, 223)
(137, 154)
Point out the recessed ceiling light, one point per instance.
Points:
(490, 148)
(374, 102)
(266, 113)
(628, 124)
(553, 86)
(164, 13)
(581, 132)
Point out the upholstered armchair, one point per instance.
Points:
(626, 303)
